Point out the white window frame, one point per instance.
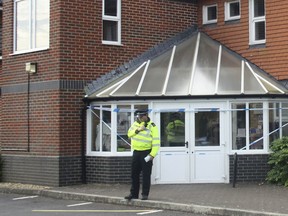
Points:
(205, 14)
(252, 21)
(115, 19)
(228, 16)
(32, 32)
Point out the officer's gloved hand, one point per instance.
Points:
(141, 128)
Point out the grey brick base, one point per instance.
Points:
(251, 168)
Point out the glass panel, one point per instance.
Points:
(260, 30)
(206, 68)
(251, 85)
(110, 8)
(259, 8)
(110, 30)
(234, 9)
(96, 133)
(22, 26)
(155, 76)
(230, 74)
(207, 129)
(273, 122)
(172, 129)
(238, 126)
(42, 23)
(123, 124)
(181, 70)
(284, 119)
(212, 13)
(256, 126)
(106, 130)
(130, 87)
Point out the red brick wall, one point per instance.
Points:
(273, 58)
(76, 53)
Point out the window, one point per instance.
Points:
(111, 22)
(232, 10)
(209, 14)
(31, 25)
(247, 126)
(257, 22)
(108, 126)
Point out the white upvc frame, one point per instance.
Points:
(252, 21)
(32, 28)
(205, 14)
(114, 19)
(228, 16)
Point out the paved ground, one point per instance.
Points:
(213, 199)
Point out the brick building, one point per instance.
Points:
(53, 50)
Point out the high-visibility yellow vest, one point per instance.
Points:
(175, 131)
(146, 139)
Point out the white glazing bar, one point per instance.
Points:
(168, 70)
(242, 77)
(194, 63)
(218, 69)
(124, 81)
(264, 80)
(142, 78)
(111, 87)
(261, 84)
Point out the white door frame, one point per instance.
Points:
(181, 162)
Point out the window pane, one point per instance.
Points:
(284, 119)
(172, 129)
(238, 127)
(259, 8)
(22, 26)
(110, 30)
(110, 8)
(95, 116)
(273, 122)
(256, 126)
(212, 13)
(42, 23)
(234, 9)
(260, 30)
(123, 124)
(207, 129)
(106, 130)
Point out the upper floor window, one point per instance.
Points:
(31, 25)
(232, 10)
(209, 14)
(111, 21)
(257, 22)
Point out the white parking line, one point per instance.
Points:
(149, 212)
(27, 197)
(79, 204)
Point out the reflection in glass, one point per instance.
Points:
(238, 126)
(123, 124)
(42, 23)
(284, 119)
(110, 30)
(273, 122)
(172, 129)
(22, 26)
(207, 129)
(256, 126)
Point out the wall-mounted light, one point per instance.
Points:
(31, 67)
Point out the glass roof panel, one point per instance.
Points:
(204, 80)
(181, 70)
(230, 74)
(130, 87)
(251, 84)
(155, 76)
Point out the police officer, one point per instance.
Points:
(145, 143)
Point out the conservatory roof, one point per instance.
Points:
(198, 66)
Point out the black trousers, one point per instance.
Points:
(138, 165)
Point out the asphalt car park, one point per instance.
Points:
(23, 205)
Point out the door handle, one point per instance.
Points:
(186, 144)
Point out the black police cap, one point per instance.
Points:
(141, 112)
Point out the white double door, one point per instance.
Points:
(197, 157)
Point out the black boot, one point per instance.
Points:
(130, 196)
